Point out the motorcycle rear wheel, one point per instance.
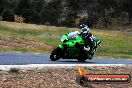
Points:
(82, 57)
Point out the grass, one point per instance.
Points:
(115, 44)
(21, 49)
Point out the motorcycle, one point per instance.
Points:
(70, 48)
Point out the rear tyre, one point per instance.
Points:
(81, 59)
(56, 54)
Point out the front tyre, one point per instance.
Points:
(56, 54)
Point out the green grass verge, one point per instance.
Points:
(24, 50)
(115, 44)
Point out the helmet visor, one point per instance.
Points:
(85, 30)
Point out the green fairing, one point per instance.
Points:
(71, 43)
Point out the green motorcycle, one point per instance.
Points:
(70, 48)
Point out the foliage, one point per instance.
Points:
(126, 6)
(65, 12)
(8, 15)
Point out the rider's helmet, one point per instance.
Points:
(84, 30)
(83, 25)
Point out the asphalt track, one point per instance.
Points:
(11, 58)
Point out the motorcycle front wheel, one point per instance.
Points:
(56, 54)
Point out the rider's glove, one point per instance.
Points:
(86, 48)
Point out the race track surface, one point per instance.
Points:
(11, 58)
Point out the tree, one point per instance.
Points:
(51, 12)
(8, 4)
(73, 9)
(37, 7)
(126, 6)
(8, 15)
(92, 11)
(3, 5)
(24, 8)
(106, 9)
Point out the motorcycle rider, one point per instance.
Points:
(89, 42)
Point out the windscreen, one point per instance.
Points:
(72, 36)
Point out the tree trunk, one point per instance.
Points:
(130, 14)
(105, 22)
